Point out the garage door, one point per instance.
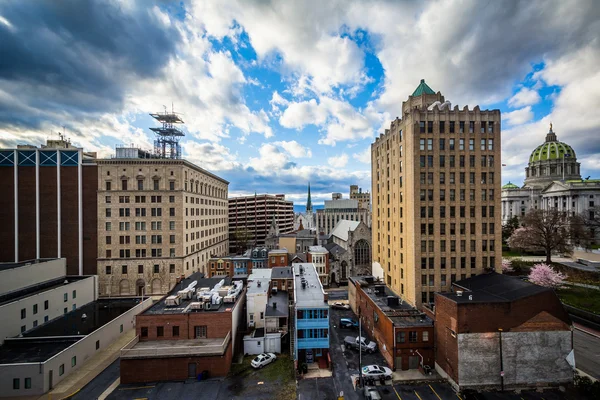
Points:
(413, 362)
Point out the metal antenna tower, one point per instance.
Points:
(166, 144)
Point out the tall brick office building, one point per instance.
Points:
(48, 205)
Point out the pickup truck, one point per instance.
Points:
(366, 344)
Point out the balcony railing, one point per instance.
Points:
(313, 323)
(313, 343)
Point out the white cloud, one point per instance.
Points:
(210, 156)
(524, 97)
(519, 116)
(295, 149)
(338, 161)
(363, 156)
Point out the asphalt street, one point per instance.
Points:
(587, 353)
(100, 383)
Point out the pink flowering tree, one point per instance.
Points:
(507, 265)
(544, 275)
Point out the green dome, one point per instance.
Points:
(510, 185)
(552, 151)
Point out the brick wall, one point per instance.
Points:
(173, 369)
(7, 215)
(218, 324)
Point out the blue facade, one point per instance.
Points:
(312, 334)
(259, 257)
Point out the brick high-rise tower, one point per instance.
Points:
(436, 195)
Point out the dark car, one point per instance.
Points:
(348, 323)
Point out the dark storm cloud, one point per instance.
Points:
(72, 56)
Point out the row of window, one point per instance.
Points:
(486, 194)
(428, 178)
(200, 332)
(413, 336)
(429, 262)
(463, 245)
(484, 144)
(484, 127)
(427, 161)
(140, 269)
(140, 239)
(139, 212)
(428, 212)
(140, 253)
(429, 229)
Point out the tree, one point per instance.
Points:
(509, 227)
(544, 275)
(548, 231)
(591, 223)
(242, 239)
(507, 265)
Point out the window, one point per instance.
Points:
(425, 336)
(27, 383)
(124, 184)
(16, 383)
(429, 144)
(155, 184)
(490, 144)
(160, 331)
(429, 126)
(442, 126)
(124, 269)
(421, 126)
(61, 370)
(483, 145)
(144, 331)
(471, 126)
(200, 332)
(452, 124)
(140, 184)
(23, 313)
(156, 268)
(97, 344)
(46, 304)
(401, 337)
(66, 297)
(442, 144)
(412, 336)
(171, 268)
(461, 127)
(73, 361)
(421, 144)
(171, 212)
(108, 226)
(108, 185)
(171, 185)
(107, 271)
(461, 144)
(175, 331)
(471, 144)
(107, 213)
(74, 294)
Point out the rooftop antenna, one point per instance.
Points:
(166, 143)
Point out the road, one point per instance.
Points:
(587, 353)
(100, 383)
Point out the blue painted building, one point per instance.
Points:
(311, 320)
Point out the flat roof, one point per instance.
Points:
(493, 288)
(312, 295)
(277, 305)
(47, 340)
(279, 251)
(282, 273)
(160, 307)
(401, 314)
(10, 265)
(39, 288)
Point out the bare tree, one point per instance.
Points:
(548, 231)
(591, 223)
(242, 239)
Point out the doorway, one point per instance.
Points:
(50, 380)
(139, 287)
(413, 362)
(399, 363)
(191, 370)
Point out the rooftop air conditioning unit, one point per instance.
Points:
(207, 306)
(173, 301)
(229, 299)
(196, 305)
(459, 293)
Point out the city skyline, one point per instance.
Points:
(272, 111)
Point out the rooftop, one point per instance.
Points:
(278, 251)
(258, 281)
(493, 288)
(399, 312)
(161, 306)
(299, 256)
(33, 350)
(423, 88)
(282, 273)
(317, 249)
(176, 348)
(311, 294)
(335, 249)
(39, 288)
(278, 305)
(10, 265)
(342, 227)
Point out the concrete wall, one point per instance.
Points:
(28, 275)
(237, 316)
(529, 359)
(82, 350)
(85, 291)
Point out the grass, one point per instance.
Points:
(281, 372)
(583, 298)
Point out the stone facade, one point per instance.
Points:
(350, 252)
(158, 220)
(436, 204)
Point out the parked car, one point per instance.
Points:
(371, 393)
(348, 323)
(377, 372)
(340, 306)
(263, 359)
(367, 345)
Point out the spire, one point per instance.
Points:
(423, 88)
(308, 201)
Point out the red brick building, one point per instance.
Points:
(279, 258)
(48, 207)
(180, 337)
(403, 334)
(496, 331)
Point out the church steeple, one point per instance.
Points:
(308, 202)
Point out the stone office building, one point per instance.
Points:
(436, 204)
(158, 219)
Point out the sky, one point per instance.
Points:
(276, 94)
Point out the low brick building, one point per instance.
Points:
(185, 334)
(496, 331)
(278, 258)
(403, 334)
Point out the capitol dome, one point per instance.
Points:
(510, 185)
(551, 161)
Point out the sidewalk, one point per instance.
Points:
(90, 369)
(587, 330)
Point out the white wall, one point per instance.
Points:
(257, 303)
(85, 291)
(82, 350)
(29, 275)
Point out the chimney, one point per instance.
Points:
(459, 293)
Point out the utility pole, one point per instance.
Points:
(501, 362)
(360, 378)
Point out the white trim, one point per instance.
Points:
(16, 189)
(37, 204)
(58, 205)
(80, 209)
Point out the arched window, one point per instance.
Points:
(124, 287)
(362, 253)
(156, 286)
